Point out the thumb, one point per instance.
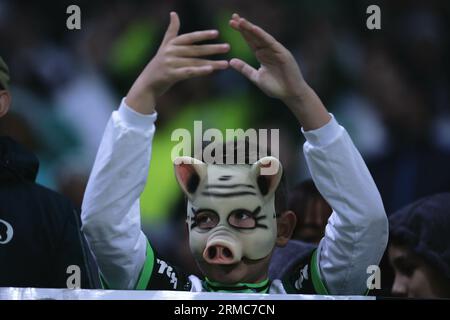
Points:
(173, 28)
(244, 68)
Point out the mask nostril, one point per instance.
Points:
(212, 252)
(227, 253)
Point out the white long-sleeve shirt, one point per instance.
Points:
(355, 237)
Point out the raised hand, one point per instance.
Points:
(279, 75)
(178, 58)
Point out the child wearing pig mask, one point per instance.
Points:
(233, 216)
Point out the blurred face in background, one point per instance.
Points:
(414, 277)
(312, 212)
(312, 220)
(5, 101)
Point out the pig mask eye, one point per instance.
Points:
(245, 219)
(205, 219)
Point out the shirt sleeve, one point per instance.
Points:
(158, 274)
(110, 211)
(357, 231)
(305, 278)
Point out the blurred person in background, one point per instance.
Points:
(39, 229)
(312, 212)
(413, 164)
(419, 248)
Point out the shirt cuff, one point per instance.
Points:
(324, 135)
(136, 119)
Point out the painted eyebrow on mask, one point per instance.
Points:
(200, 210)
(254, 213)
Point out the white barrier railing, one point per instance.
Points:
(82, 294)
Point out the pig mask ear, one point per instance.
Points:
(189, 172)
(267, 172)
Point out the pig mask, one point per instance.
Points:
(231, 208)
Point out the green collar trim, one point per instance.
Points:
(260, 287)
(318, 284)
(147, 269)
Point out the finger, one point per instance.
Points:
(257, 33)
(173, 28)
(201, 50)
(189, 62)
(247, 70)
(253, 43)
(249, 38)
(197, 36)
(245, 34)
(255, 36)
(190, 72)
(234, 23)
(235, 16)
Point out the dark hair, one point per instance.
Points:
(301, 194)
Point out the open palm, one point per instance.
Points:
(278, 75)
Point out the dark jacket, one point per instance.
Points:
(39, 229)
(286, 259)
